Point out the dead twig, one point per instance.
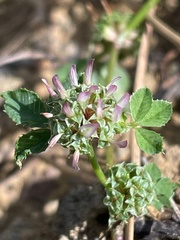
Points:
(175, 208)
(164, 30)
(106, 7)
(21, 56)
(139, 82)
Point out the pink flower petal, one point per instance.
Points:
(93, 88)
(76, 160)
(112, 82)
(88, 72)
(87, 130)
(83, 96)
(58, 85)
(99, 108)
(73, 76)
(120, 144)
(52, 93)
(67, 110)
(117, 113)
(54, 140)
(111, 89)
(124, 100)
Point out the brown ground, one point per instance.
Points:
(36, 38)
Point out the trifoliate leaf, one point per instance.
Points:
(158, 115)
(148, 141)
(140, 103)
(35, 141)
(24, 107)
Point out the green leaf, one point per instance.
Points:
(165, 187)
(153, 171)
(157, 204)
(35, 141)
(140, 103)
(165, 201)
(24, 107)
(158, 115)
(148, 141)
(165, 190)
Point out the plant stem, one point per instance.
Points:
(141, 14)
(109, 153)
(113, 59)
(96, 167)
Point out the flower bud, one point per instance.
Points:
(58, 85)
(88, 72)
(73, 76)
(52, 93)
(67, 110)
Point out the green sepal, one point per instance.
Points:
(24, 107)
(148, 141)
(33, 142)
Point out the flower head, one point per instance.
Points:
(84, 112)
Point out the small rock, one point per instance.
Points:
(51, 207)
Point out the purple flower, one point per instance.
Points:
(124, 100)
(117, 113)
(67, 110)
(54, 140)
(88, 72)
(87, 130)
(73, 76)
(111, 88)
(59, 87)
(76, 160)
(93, 88)
(119, 144)
(52, 93)
(83, 96)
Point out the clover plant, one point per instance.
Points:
(84, 112)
